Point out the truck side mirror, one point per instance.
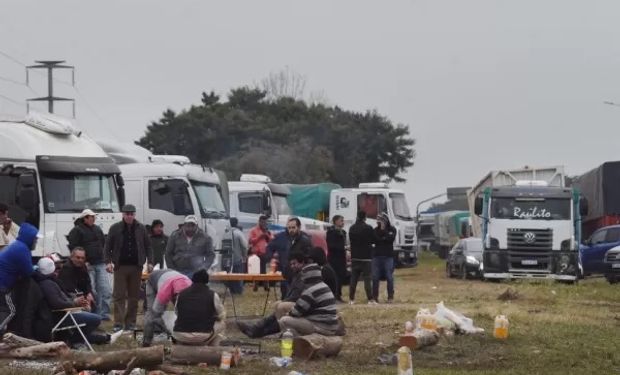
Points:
(267, 211)
(478, 206)
(583, 206)
(27, 192)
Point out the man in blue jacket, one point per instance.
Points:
(15, 263)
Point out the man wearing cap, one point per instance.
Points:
(127, 248)
(15, 263)
(189, 249)
(88, 236)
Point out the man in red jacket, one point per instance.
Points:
(259, 237)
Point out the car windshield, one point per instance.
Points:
(281, 205)
(209, 199)
(531, 209)
(400, 206)
(74, 193)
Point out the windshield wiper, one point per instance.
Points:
(215, 214)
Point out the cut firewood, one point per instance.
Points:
(192, 355)
(11, 341)
(130, 366)
(68, 368)
(168, 369)
(116, 360)
(50, 349)
(419, 339)
(316, 346)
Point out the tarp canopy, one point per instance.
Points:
(311, 200)
(601, 186)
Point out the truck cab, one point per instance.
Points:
(530, 230)
(49, 172)
(374, 199)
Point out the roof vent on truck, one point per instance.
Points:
(373, 185)
(52, 124)
(531, 183)
(260, 178)
(176, 159)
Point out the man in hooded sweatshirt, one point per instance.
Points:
(15, 263)
(383, 257)
(90, 237)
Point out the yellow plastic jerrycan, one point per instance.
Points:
(501, 327)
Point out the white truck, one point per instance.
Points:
(254, 195)
(374, 199)
(169, 187)
(49, 172)
(529, 223)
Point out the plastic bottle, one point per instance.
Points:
(286, 344)
(420, 316)
(254, 265)
(225, 361)
(501, 327)
(405, 363)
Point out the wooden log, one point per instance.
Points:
(10, 340)
(316, 346)
(168, 369)
(116, 360)
(419, 339)
(47, 350)
(193, 355)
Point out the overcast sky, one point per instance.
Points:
(482, 84)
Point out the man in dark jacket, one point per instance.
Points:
(362, 238)
(189, 249)
(15, 264)
(158, 241)
(74, 278)
(285, 243)
(383, 257)
(200, 314)
(57, 299)
(88, 236)
(127, 248)
(337, 243)
(317, 255)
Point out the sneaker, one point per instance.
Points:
(130, 327)
(117, 328)
(352, 302)
(115, 336)
(372, 302)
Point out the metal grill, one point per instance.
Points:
(530, 249)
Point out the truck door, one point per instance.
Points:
(169, 201)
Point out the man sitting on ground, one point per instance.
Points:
(74, 277)
(162, 287)
(200, 314)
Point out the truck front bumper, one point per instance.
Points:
(512, 264)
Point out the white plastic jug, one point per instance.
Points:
(254, 265)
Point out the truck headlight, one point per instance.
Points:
(471, 260)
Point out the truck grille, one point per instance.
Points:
(529, 250)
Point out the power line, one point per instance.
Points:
(6, 79)
(16, 61)
(11, 100)
(12, 58)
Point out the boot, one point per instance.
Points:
(270, 326)
(247, 328)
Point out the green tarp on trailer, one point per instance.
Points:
(311, 200)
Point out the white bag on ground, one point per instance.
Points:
(462, 322)
(169, 317)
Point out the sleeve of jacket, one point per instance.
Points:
(148, 248)
(209, 253)
(303, 305)
(55, 297)
(74, 238)
(390, 235)
(243, 243)
(107, 247)
(254, 237)
(169, 256)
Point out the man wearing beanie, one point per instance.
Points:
(200, 314)
(162, 287)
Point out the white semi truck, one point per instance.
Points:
(529, 223)
(49, 172)
(374, 199)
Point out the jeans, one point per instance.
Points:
(360, 268)
(236, 287)
(91, 320)
(382, 266)
(101, 286)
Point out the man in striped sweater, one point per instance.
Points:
(315, 311)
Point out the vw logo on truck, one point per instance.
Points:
(529, 237)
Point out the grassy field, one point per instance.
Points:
(555, 329)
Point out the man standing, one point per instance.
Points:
(362, 238)
(259, 237)
(88, 236)
(73, 276)
(189, 249)
(285, 243)
(383, 258)
(337, 257)
(8, 229)
(127, 248)
(162, 287)
(239, 254)
(158, 241)
(15, 263)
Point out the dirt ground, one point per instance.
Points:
(554, 329)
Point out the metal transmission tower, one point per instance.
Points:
(50, 98)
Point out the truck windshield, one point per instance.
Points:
(209, 200)
(371, 204)
(74, 193)
(400, 206)
(528, 209)
(281, 205)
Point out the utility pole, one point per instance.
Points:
(50, 98)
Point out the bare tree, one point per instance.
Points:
(284, 83)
